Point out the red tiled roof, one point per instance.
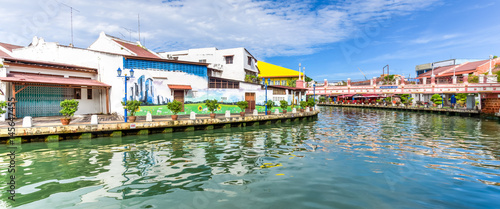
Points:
(139, 51)
(179, 87)
(37, 63)
(437, 71)
(465, 68)
(48, 79)
(9, 47)
(3, 54)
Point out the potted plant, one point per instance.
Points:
(212, 106)
(176, 107)
(311, 104)
(303, 105)
(131, 108)
(243, 105)
(69, 107)
(283, 105)
(436, 100)
(270, 105)
(322, 99)
(329, 100)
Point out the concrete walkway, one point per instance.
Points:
(105, 119)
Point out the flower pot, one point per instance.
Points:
(284, 111)
(65, 121)
(269, 112)
(434, 104)
(301, 110)
(310, 109)
(131, 119)
(212, 115)
(242, 114)
(174, 117)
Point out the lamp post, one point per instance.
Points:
(314, 97)
(265, 102)
(119, 71)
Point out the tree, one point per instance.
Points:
(131, 106)
(175, 106)
(3, 105)
(243, 105)
(405, 99)
(303, 104)
(494, 57)
(283, 104)
(437, 99)
(307, 79)
(212, 105)
(69, 107)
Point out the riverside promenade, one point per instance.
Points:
(50, 130)
(446, 111)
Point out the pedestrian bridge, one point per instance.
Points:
(486, 85)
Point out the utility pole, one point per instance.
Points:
(71, 8)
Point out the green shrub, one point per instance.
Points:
(303, 104)
(3, 105)
(175, 106)
(311, 103)
(243, 105)
(283, 104)
(269, 104)
(212, 105)
(131, 106)
(437, 99)
(69, 107)
(406, 99)
(322, 99)
(329, 100)
(388, 99)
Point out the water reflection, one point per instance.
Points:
(379, 151)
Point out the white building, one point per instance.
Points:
(91, 76)
(235, 64)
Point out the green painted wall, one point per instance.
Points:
(198, 108)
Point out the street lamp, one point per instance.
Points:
(314, 97)
(264, 82)
(119, 71)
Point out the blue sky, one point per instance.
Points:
(332, 39)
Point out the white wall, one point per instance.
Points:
(215, 57)
(105, 63)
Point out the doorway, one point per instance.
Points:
(179, 96)
(250, 98)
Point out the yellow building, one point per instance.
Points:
(278, 75)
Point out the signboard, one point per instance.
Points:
(132, 125)
(389, 87)
(412, 79)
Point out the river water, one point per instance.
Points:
(347, 158)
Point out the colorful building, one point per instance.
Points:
(278, 75)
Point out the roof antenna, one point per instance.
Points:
(129, 33)
(71, 8)
(139, 26)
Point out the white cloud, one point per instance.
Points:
(266, 28)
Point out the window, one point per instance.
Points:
(89, 93)
(276, 82)
(78, 93)
(249, 60)
(203, 61)
(229, 59)
(217, 83)
(283, 82)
